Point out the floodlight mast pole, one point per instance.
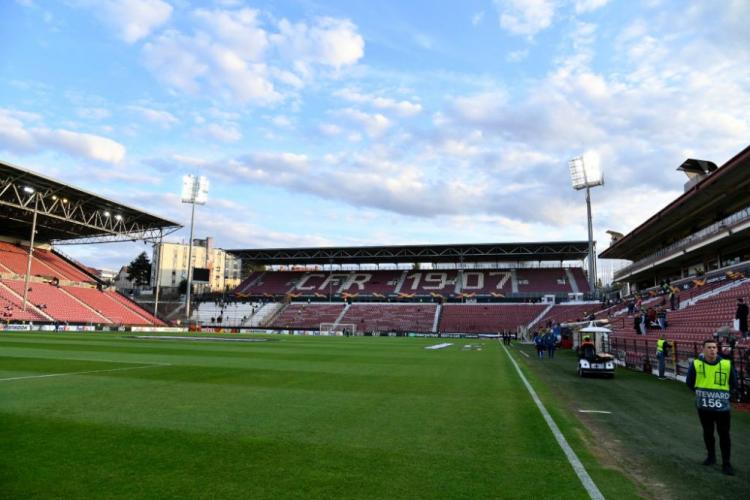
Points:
(31, 252)
(158, 272)
(592, 257)
(190, 261)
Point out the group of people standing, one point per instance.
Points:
(546, 341)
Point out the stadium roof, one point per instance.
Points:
(67, 214)
(481, 252)
(721, 193)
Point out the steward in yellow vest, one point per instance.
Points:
(713, 378)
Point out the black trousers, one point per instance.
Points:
(720, 420)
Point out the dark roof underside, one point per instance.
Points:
(483, 252)
(66, 214)
(720, 194)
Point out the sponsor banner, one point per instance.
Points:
(160, 329)
(15, 328)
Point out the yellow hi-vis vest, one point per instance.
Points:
(712, 377)
(712, 385)
(659, 346)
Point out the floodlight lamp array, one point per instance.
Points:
(194, 189)
(585, 171)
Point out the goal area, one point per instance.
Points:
(340, 330)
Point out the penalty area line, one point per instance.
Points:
(82, 373)
(578, 467)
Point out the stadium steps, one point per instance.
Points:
(85, 305)
(53, 272)
(540, 316)
(513, 281)
(401, 282)
(271, 317)
(459, 281)
(341, 315)
(438, 315)
(8, 294)
(135, 308)
(252, 282)
(260, 316)
(572, 281)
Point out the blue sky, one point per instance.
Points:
(360, 122)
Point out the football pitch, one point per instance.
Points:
(107, 416)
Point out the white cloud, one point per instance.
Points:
(330, 42)
(176, 60)
(16, 136)
(329, 129)
(163, 118)
(282, 121)
(402, 108)
(89, 146)
(230, 52)
(375, 124)
(223, 133)
(133, 20)
(583, 6)
(525, 17)
(477, 18)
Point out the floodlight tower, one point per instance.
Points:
(195, 192)
(585, 173)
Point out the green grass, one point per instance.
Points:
(652, 431)
(300, 417)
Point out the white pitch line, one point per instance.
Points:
(524, 353)
(595, 411)
(578, 467)
(80, 373)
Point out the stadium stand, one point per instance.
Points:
(47, 212)
(272, 283)
(563, 313)
(14, 258)
(57, 303)
(108, 305)
(487, 318)
(11, 307)
(547, 280)
(369, 317)
(494, 283)
(307, 316)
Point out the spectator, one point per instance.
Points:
(644, 321)
(661, 317)
(637, 324)
(741, 317)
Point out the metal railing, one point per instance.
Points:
(640, 354)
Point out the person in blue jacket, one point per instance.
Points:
(539, 343)
(550, 342)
